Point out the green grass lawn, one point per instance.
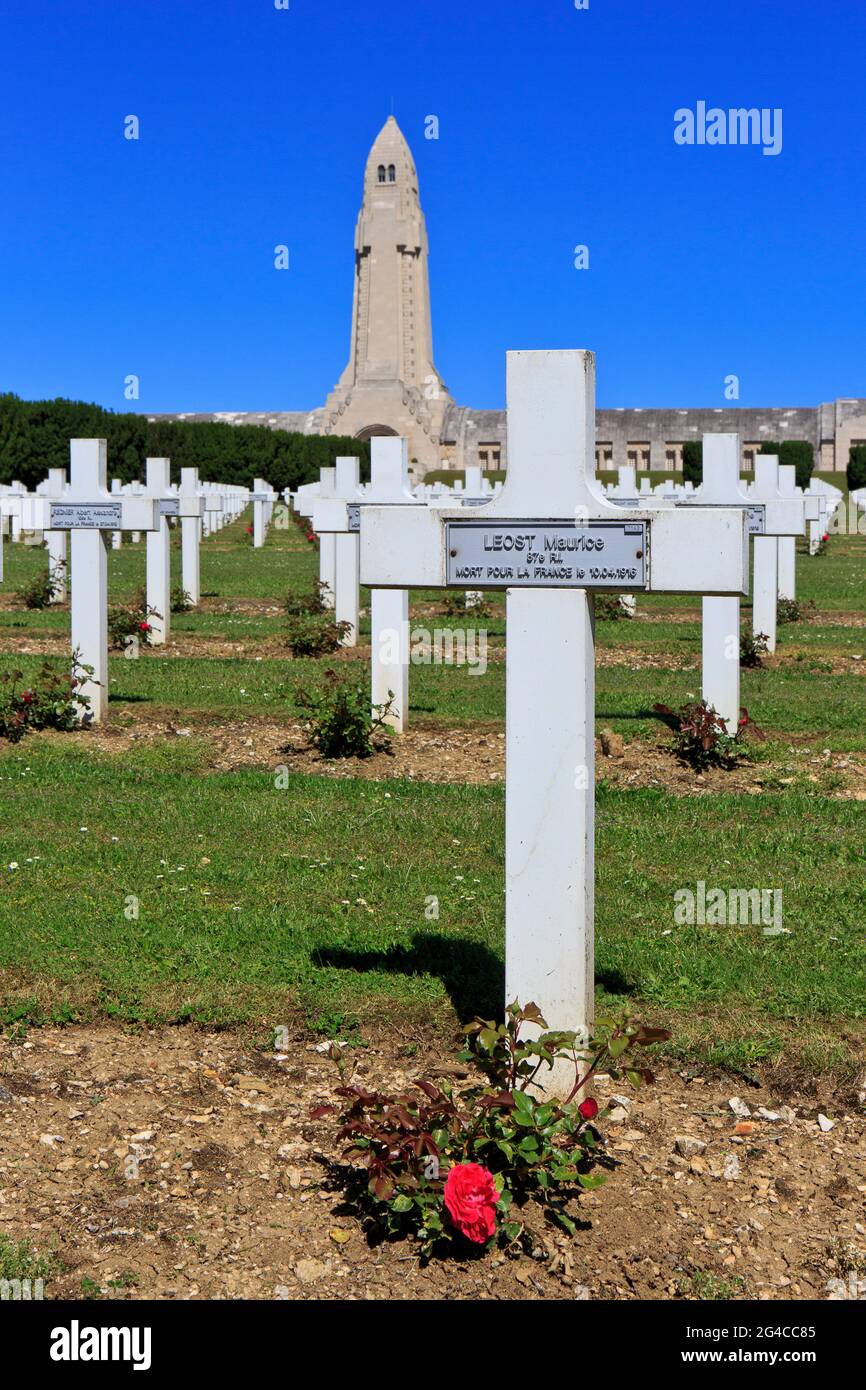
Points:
(271, 904)
(311, 905)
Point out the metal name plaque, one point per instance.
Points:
(756, 518)
(169, 506)
(755, 512)
(86, 516)
(353, 516)
(546, 554)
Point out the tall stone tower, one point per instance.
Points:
(390, 384)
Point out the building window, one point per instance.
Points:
(604, 456)
(749, 452)
(673, 458)
(639, 457)
(392, 174)
(381, 173)
(490, 454)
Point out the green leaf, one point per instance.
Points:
(565, 1222)
(512, 1229)
(401, 1204)
(589, 1181)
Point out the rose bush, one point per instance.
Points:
(470, 1165)
(53, 701)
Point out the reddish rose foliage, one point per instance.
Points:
(588, 1108)
(471, 1197)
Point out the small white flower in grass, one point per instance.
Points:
(14, 864)
(115, 839)
(83, 829)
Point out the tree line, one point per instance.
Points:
(35, 435)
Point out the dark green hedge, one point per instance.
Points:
(35, 435)
(693, 462)
(856, 469)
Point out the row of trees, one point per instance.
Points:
(35, 435)
(796, 451)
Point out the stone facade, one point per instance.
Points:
(390, 384)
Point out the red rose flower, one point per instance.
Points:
(588, 1108)
(144, 627)
(826, 536)
(311, 535)
(249, 530)
(471, 1197)
(27, 697)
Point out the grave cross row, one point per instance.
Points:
(549, 538)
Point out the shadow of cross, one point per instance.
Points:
(549, 539)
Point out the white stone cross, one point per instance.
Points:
(192, 504)
(787, 545)
(91, 512)
(157, 484)
(55, 541)
(263, 498)
(389, 608)
(548, 539)
(304, 500)
(720, 617)
(785, 517)
(346, 560)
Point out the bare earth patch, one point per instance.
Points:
(472, 754)
(182, 1164)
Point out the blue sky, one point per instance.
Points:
(155, 257)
